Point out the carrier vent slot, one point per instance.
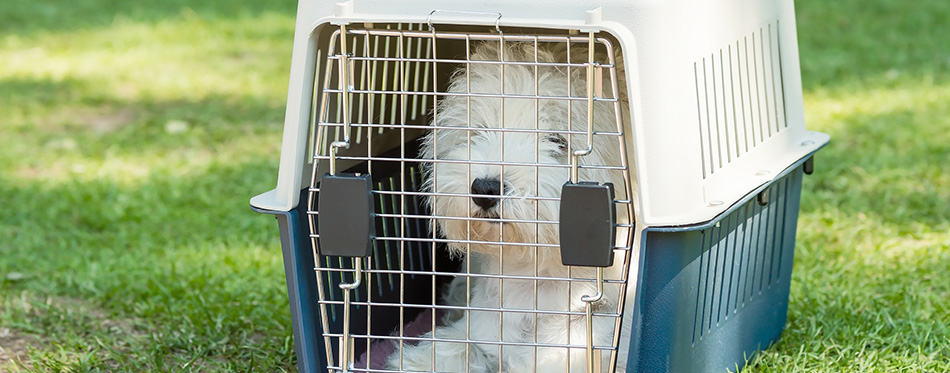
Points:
(740, 97)
(740, 258)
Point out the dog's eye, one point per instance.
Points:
(558, 140)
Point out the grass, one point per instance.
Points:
(133, 137)
(134, 134)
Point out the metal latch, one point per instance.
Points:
(346, 217)
(347, 226)
(587, 224)
(587, 238)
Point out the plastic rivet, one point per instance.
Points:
(763, 197)
(809, 166)
(762, 172)
(715, 203)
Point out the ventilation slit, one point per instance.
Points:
(740, 99)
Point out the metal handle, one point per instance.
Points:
(593, 362)
(345, 92)
(434, 11)
(592, 84)
(345, 338)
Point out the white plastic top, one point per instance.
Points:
(714, 87)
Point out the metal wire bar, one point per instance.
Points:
(457, 161)
(446, 35)
(473, 95)
(475, 275)
(488, 220)
(471, 308)
(478, 341)
(445, 194)
(462, 128)
(469, 61)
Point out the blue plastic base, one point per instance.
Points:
(711, 296)
(708, 296)
(301, 287)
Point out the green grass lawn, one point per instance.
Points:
(133, 133)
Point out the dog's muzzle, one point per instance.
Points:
(483, 189)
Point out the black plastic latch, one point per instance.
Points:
(809, 166)
(588, 217)
(346, 219)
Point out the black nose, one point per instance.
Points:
(491, 187)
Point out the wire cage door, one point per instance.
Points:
(414, 106)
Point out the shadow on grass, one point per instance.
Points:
(28, 17)
(184, 256)
(40, 112)
(16, 92)
(165, 211)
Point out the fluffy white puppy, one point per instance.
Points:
(498, 165)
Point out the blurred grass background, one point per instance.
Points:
(133, 133)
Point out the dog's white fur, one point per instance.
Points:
(521, 185)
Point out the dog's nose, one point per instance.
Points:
(491, 187)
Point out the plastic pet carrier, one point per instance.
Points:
(591, 186)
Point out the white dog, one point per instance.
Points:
(500, 211)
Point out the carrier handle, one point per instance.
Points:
(468, 12)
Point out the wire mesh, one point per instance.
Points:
(402, 78)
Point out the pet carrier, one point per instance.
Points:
(517, 186)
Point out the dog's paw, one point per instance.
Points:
(449, 357)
